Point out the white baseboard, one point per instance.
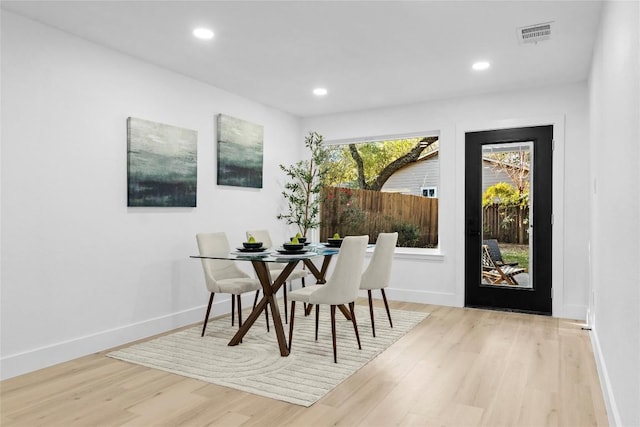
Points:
(49, 355)
(605, 383)
(422, 297)
(573, 311)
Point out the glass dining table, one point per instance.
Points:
(259, 261)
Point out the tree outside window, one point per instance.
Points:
(356, 201)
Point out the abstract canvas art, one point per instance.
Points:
(239, 152)
(162, 164)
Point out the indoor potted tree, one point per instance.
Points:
(302, 190)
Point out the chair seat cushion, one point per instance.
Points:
(512, 271)
(303, 294)
(369, 285)
(239, 285)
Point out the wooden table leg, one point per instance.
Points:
(318, 274)
(269, 290)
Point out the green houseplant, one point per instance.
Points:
(302, 190)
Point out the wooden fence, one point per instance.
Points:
(354, 212)
(507, 224)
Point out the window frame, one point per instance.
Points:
(410, 252)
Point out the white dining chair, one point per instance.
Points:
(275, 268)
(223, 276)
(378, 272)
(341, 288)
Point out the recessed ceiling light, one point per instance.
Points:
(203, 33)
(481, 65)
(320, 91)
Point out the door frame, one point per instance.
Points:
(536, 298)
(558, 308)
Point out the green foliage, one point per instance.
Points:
(377, 155)
(306, 179)
(511, 205)
(504, 194)
(408, 234)
(342, 169)
(516, 253)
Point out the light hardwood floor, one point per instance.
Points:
(458, 367)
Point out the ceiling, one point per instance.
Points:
(368, 54)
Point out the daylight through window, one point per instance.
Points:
(383, 186)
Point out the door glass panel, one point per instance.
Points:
(507, 206)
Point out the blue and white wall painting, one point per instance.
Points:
(240, 148)
(162, 164)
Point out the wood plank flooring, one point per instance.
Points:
(460, 367)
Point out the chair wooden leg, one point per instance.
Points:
(266, 311)
(355, 325)
(284, 288)
(293, 313)
(304, 304)
(317, 319)
(233, 309)
(206, 316)
(239, 298)
(333, 333)
(386, 305)
(255, 300)
(373, 325)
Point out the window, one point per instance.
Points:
(383, 185)
(431, 192)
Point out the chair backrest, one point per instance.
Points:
(264, 237)
(378, 272)
(494, 250)
(344, 283)
(216, 244)
(261, 236)
(487, 260)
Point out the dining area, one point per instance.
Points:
(298, 355)
(275, 267)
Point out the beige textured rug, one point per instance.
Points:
(255, 366)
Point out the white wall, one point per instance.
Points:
(81, 272)
(614, 88)
(441, 279)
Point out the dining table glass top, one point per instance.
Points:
(273, 255)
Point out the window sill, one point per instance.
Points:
(422, 254)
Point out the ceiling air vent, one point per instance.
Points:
(534, 33)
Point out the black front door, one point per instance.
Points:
(508, 219)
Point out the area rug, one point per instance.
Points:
(255, 365)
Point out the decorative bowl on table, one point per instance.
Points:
(335, 242)
(252, 245)
(302, 240)
(293, 246)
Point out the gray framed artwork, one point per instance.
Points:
(239, 152)
(162, 164)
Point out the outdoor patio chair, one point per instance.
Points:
(496, 274)
(496, 255)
